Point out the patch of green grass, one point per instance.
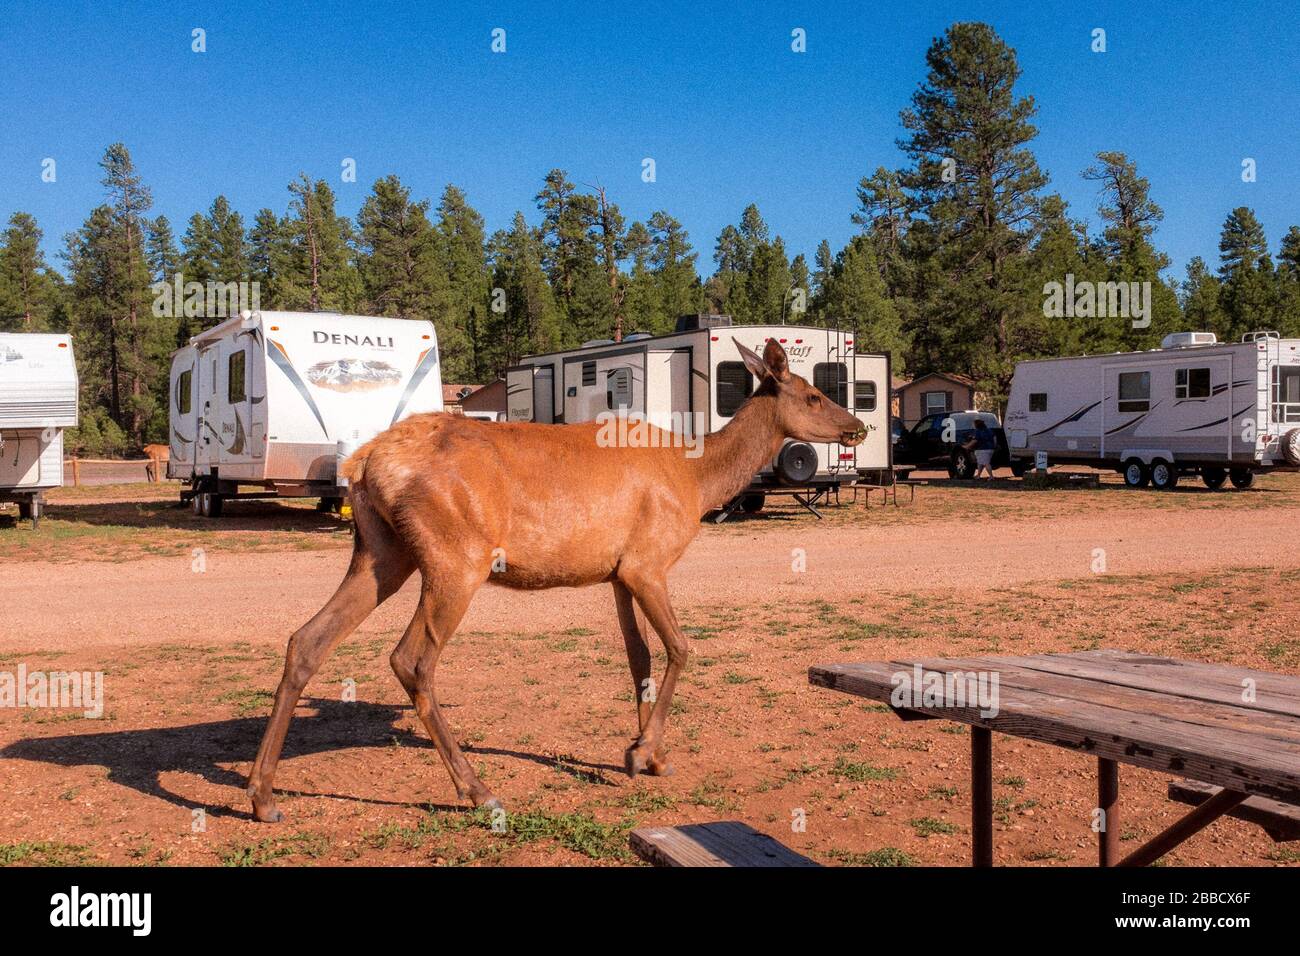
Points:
(885, 856)
(313, 845)
(247, 702)
(929, 826)
(43, 853)
(733, 677)
(862, 772)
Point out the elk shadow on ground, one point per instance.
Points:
(221, 751)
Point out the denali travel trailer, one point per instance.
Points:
(38, 399)
(1194, 405)
(692, 381)
(277, 400)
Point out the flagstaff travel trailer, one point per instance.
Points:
(1194, 405)
(277, 400)
(38, 399)
(692, 381)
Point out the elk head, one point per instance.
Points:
(802, 411)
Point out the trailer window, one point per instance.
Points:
(618, 388)
(235, 391)
(735, 384)
(1134, 391)
(588, 373)
(183, 403)
(832, 378)
(1286, 394)
(864, 396)
(1192, 383)
(1038, 401)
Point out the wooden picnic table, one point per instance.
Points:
(1228, 727)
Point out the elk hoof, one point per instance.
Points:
(658, 767)
(637, 759)
(491, 803)
(269, 814)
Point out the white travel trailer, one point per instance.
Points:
(1194, 405)
(277, 400)
(692, 381)
(38, 399)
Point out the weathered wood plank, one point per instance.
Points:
(1281, 821)
(1226, 758)
(1274, 693)
(726, 843)
(1234, 717)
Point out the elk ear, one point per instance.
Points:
(776, 362)
(757, 367)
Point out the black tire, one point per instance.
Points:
(796, 463)
(1242, 478)
(216, 504)
(1136, 473)
(962, 465)
(1018, 467)
(752, 504)
(1214, 477)
(196, 504)
(1164, 476)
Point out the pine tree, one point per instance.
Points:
(160, 250)
(463, 260)
(1201, 293)
(883, 215)
(1288, 280)
(855, 298)
(1131, 217)
(1250, 291)
(29, 289)
(523, 317)
(672, 261)
(399, 267)
(229, 244)
(976, 183)
(271, 260)
(145, 338)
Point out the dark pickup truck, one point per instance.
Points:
(933, 443)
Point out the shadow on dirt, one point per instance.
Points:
(252, 515)
(140, 758)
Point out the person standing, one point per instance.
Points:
(984, 443)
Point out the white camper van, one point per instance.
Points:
(693, 381)
(1194, 405)
(38, 399)
(277, 400)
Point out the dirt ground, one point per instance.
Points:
(187, 619)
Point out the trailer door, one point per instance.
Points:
(207, 452)
(184, 414)
(519, 393)
(869, 400)
(544, 394)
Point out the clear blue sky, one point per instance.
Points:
(711, 91)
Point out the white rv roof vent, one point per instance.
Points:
(636, 336)
(590, 342)
(1182, 340)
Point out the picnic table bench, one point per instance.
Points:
(1233, 731)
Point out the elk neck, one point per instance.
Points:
(734, 454)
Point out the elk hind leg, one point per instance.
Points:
(632, 624)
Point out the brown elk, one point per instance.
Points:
(451, 496)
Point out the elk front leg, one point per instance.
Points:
(364, 588)
(652, 595)
(632, 625)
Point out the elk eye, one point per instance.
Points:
(814, 400)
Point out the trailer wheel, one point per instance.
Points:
(1242, 478)
(209, 504)
(196, 504)
(1164, 476)
(1214, 477)
(1018, 467)
(1136, 474)
(752, 504)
